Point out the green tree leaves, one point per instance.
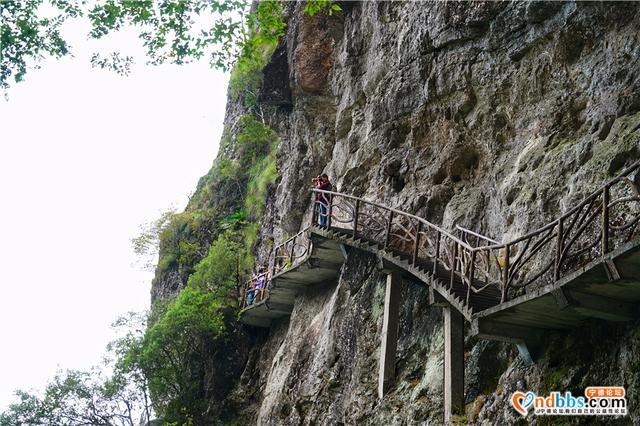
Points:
(222, 271)
(176, 31)
(315, 6)
(175, 350)
(94, 397)
(28, 33)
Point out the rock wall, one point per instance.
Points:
(493, 115)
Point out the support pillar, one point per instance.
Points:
(453, 363)
(389, 332)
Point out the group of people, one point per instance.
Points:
(257, 285)
(260, 279)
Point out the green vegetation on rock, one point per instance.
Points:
(315, 6)
(191, 324)
(265, 29)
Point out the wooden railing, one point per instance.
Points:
(285, 256)
(422, 242)
(255, 291)
(290, 252)
(473, 238)
(602, 222)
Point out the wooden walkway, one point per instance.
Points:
(585, 264)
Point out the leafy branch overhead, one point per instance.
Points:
(175, 31)
(27, 34)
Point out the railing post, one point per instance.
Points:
(559, 246)
(329, 210)
(314, 203)
(355, 218)
(472, 270)
(488, 260)
(416, 247)
(453, 263)
(293, 247)
(437, 254)
(505, 278)
(605, 220)
(387, 235)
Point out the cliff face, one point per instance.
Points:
(496, 116)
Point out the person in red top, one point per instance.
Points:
(322, 200)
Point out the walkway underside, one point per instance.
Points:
(608, 289)
(320, 266)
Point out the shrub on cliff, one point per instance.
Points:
(176, 352)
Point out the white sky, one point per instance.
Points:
(86, 156)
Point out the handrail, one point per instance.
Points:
(259, 294)
(396, 211)
(573, 210)
(290, 252)
(475, 234)
(574, 238)
(284, 243)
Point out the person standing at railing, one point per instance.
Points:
(322, 200)
(251, 293)
(261, 282)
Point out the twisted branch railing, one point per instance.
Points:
(602, 222)
(284, 256)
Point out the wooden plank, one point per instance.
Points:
(594, 269)
(602, 307)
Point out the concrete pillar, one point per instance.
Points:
(389, 332)
(453, 363)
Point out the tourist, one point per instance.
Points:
(261, 282)
(322, 200)
(251, 293)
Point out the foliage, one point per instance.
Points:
(146, 245)
(27, 33)
(234, 220)
(178, 31)
(175, 30)
(264, 30)
(254, 140)
(261, 175)
(89, 397)
(221, 272)
(183, 240)
(237, 190)
(173, 354)
(166, 360)
(74, 398)
(114, 62)
(315, 6)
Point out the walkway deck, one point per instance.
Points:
(585, 264)
(319, 265)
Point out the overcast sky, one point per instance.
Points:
(86, 156)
